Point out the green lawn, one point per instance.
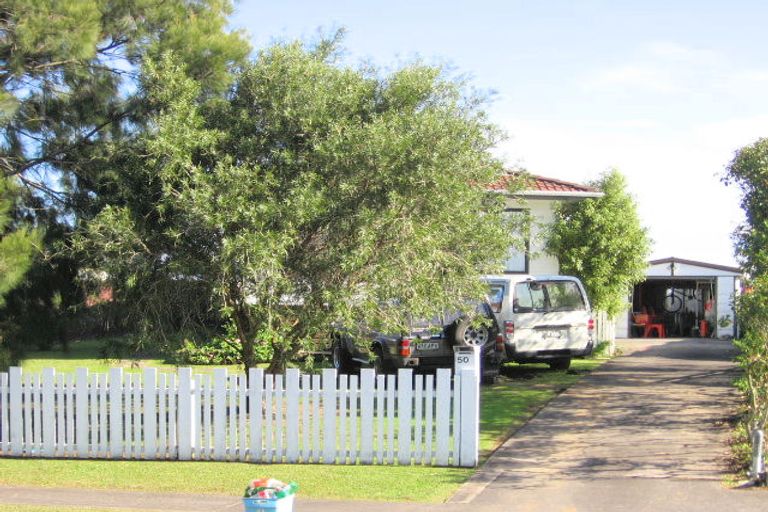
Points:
(60, 508)
(86, 354)
(398, 483)
(505, 407)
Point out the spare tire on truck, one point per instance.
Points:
(468, 332)
(471, 333)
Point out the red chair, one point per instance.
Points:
(659, 328)
(645, 321)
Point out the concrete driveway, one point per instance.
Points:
(647, 431)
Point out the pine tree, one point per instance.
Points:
(17, 246)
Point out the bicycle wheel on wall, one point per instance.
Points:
(672, 303)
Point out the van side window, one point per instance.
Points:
(496, 297)
(528, 298)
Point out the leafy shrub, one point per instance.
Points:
(752, 309)
(6, 359)
(220, 350)
(217, 351)
(603, 350)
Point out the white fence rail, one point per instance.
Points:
(295, 418)
(605, 328)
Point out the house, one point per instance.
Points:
(690, 298)
(538, 198)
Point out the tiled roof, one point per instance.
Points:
(542, 184)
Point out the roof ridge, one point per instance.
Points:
(715, 266)
(542, 184)
(563, 182)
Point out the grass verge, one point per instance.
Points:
(60, 508)
(505, 407)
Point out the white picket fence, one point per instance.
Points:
(295, 418)
(605, 328)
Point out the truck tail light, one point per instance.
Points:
(509, 330)
(405, 347)
(591, 324)
(499, 342)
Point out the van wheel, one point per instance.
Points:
(341, 359)
(471, 335)
(562, 363)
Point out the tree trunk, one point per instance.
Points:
(278, 363)
(243, 326)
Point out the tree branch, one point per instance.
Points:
(53, 194)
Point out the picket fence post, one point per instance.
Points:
(150, 413)
(81, 412)
(17, 423)
(188, 412)
(443, 416)
(329, 416)
(367, 387)
(467, 393)
(292, 415)
(404, 414)
(115, 412)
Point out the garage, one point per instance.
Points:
(683, 298)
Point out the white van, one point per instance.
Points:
(543, 318)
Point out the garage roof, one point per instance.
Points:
(683, 266)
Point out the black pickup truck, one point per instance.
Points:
(427, 346)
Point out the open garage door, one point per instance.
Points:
(686, 307)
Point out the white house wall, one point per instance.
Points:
(542, 213)
(622, 325)
(726, 288)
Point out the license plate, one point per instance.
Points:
(428, 345)
(555, 335)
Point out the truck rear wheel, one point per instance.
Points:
(341, 359)
(561, 363)
(379, 363)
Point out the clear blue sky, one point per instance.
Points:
(665, 91)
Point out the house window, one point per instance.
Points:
(517, 261)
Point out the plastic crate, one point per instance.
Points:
(271, 505)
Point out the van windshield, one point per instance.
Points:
(547, 296)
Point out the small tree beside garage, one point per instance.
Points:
(602, 242)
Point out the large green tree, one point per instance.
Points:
(602, 241)
(70, 97)
(69, 71)
(18, 244)
(313, 193)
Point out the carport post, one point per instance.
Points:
(757, 471)
(467, 435)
